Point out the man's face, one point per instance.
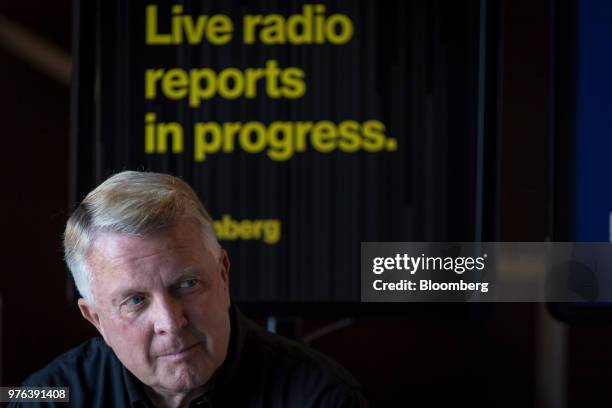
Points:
(161, 303)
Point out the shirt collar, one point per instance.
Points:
(135, 389)
(239, 328)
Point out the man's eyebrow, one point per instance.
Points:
(189, 272)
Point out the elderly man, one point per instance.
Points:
(155, 283)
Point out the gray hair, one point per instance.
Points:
(131, 202)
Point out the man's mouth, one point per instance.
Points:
(178, 353)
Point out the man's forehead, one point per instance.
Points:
(123, 260)
(118, 248)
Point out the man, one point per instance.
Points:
(155, 283)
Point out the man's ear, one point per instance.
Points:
(225, 268)
(89, 313)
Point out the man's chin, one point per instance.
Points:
(183, 378)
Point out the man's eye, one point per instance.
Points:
(135, 300)
(189, 283)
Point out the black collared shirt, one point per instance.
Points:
(261, 370)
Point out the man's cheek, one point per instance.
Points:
(129, 340)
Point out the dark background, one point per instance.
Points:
(506, 356)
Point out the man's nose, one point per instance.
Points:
(168, 315)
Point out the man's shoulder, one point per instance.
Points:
(293, 362)
(279, 372)
(299, 359)
(93, 374)
(78, 366)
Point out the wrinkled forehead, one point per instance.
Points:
(181, 243)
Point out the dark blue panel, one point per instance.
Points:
(594, 121)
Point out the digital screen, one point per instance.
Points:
(305, 128)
